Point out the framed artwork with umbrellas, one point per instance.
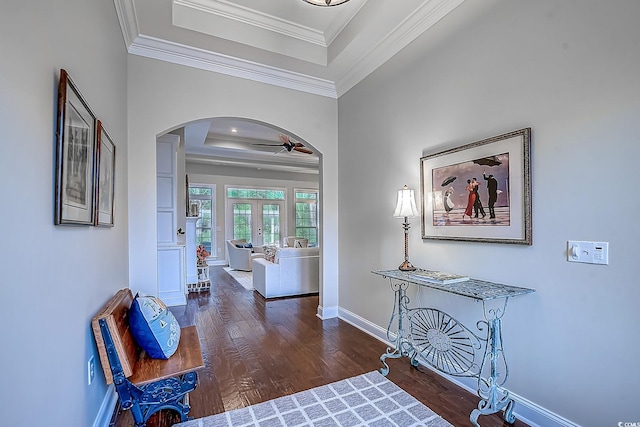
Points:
(479, 191)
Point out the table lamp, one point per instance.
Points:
(406, 208)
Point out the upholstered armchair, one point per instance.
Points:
(240, 258)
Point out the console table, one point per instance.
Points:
(434, 337)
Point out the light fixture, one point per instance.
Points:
(325, 3)
(406, 208)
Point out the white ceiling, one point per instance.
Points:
(290, 43)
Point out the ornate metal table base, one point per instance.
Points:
(433, 337)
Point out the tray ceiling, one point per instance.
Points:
(289, 43)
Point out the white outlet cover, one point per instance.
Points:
(91, 370)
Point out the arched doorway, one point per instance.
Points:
(229, 153)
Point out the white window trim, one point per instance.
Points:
(214, 213)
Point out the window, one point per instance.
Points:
(204, 196)
(242, 221)
(256, 215)
(252, 193)
(271, 224)
(307, 215)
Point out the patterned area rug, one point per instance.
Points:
(366, 400)
(245, 278)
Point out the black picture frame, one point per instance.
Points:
(75, 156)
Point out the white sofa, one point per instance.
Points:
(242, 258)
(295, 271)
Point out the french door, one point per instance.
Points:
(257, 221)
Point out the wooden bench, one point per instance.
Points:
(144, 385)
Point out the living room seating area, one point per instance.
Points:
(292, 271)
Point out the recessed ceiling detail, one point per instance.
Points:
(243, 15)
(250, 27)
(289, 43)
(254, 145)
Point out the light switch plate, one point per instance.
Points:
(588, 252)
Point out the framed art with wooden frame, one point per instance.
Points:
(105, 187)
(75, 157)
(480, 191)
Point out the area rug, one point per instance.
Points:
(366, 400)
(245, 278)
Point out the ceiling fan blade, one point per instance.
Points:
(269, 145)
(285, 139)
(280, 151)
(303, 150)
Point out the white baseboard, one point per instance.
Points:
(174, 299)
(525, 410)
(327, 312)
(103, 419)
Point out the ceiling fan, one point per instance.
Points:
(289, 145)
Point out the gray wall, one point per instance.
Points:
(55, 278)
(569, 70)
(163, 97)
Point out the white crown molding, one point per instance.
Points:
(283, 159)
(251, 17)
(175, 53)
(336, 27)
(205, 158)
(430, 12)
(128, 20)
(427, 15)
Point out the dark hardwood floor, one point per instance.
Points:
(257, 350)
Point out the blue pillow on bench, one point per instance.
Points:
(154, 327)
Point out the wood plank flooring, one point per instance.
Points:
(256, 350)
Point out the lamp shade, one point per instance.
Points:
(406, 206)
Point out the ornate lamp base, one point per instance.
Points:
(406, 266)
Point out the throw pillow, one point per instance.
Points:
(270, 253)
(154, 327)
(300, 243)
